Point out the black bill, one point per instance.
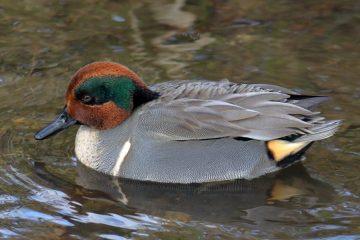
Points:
(62, 122)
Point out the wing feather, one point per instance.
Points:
(193, 110)
(204, 110)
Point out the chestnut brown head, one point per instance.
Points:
(100, 95)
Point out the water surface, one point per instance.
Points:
(309, 46)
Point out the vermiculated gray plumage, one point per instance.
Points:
(190, 133)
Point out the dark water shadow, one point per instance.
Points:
(246, 201)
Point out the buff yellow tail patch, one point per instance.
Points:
(281, 149)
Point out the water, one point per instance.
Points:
(310, 46)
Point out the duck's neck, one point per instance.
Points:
(100, 149)
(143, 95)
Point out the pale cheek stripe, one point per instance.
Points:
(124, 151)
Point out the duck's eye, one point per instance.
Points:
(87, 99)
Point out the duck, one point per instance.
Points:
(186, 131)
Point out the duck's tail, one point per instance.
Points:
(286, 151)
(320, 131)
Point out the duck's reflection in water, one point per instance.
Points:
(262, 199)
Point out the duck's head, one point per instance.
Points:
(100, 95)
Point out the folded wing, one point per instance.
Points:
(207, 110)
